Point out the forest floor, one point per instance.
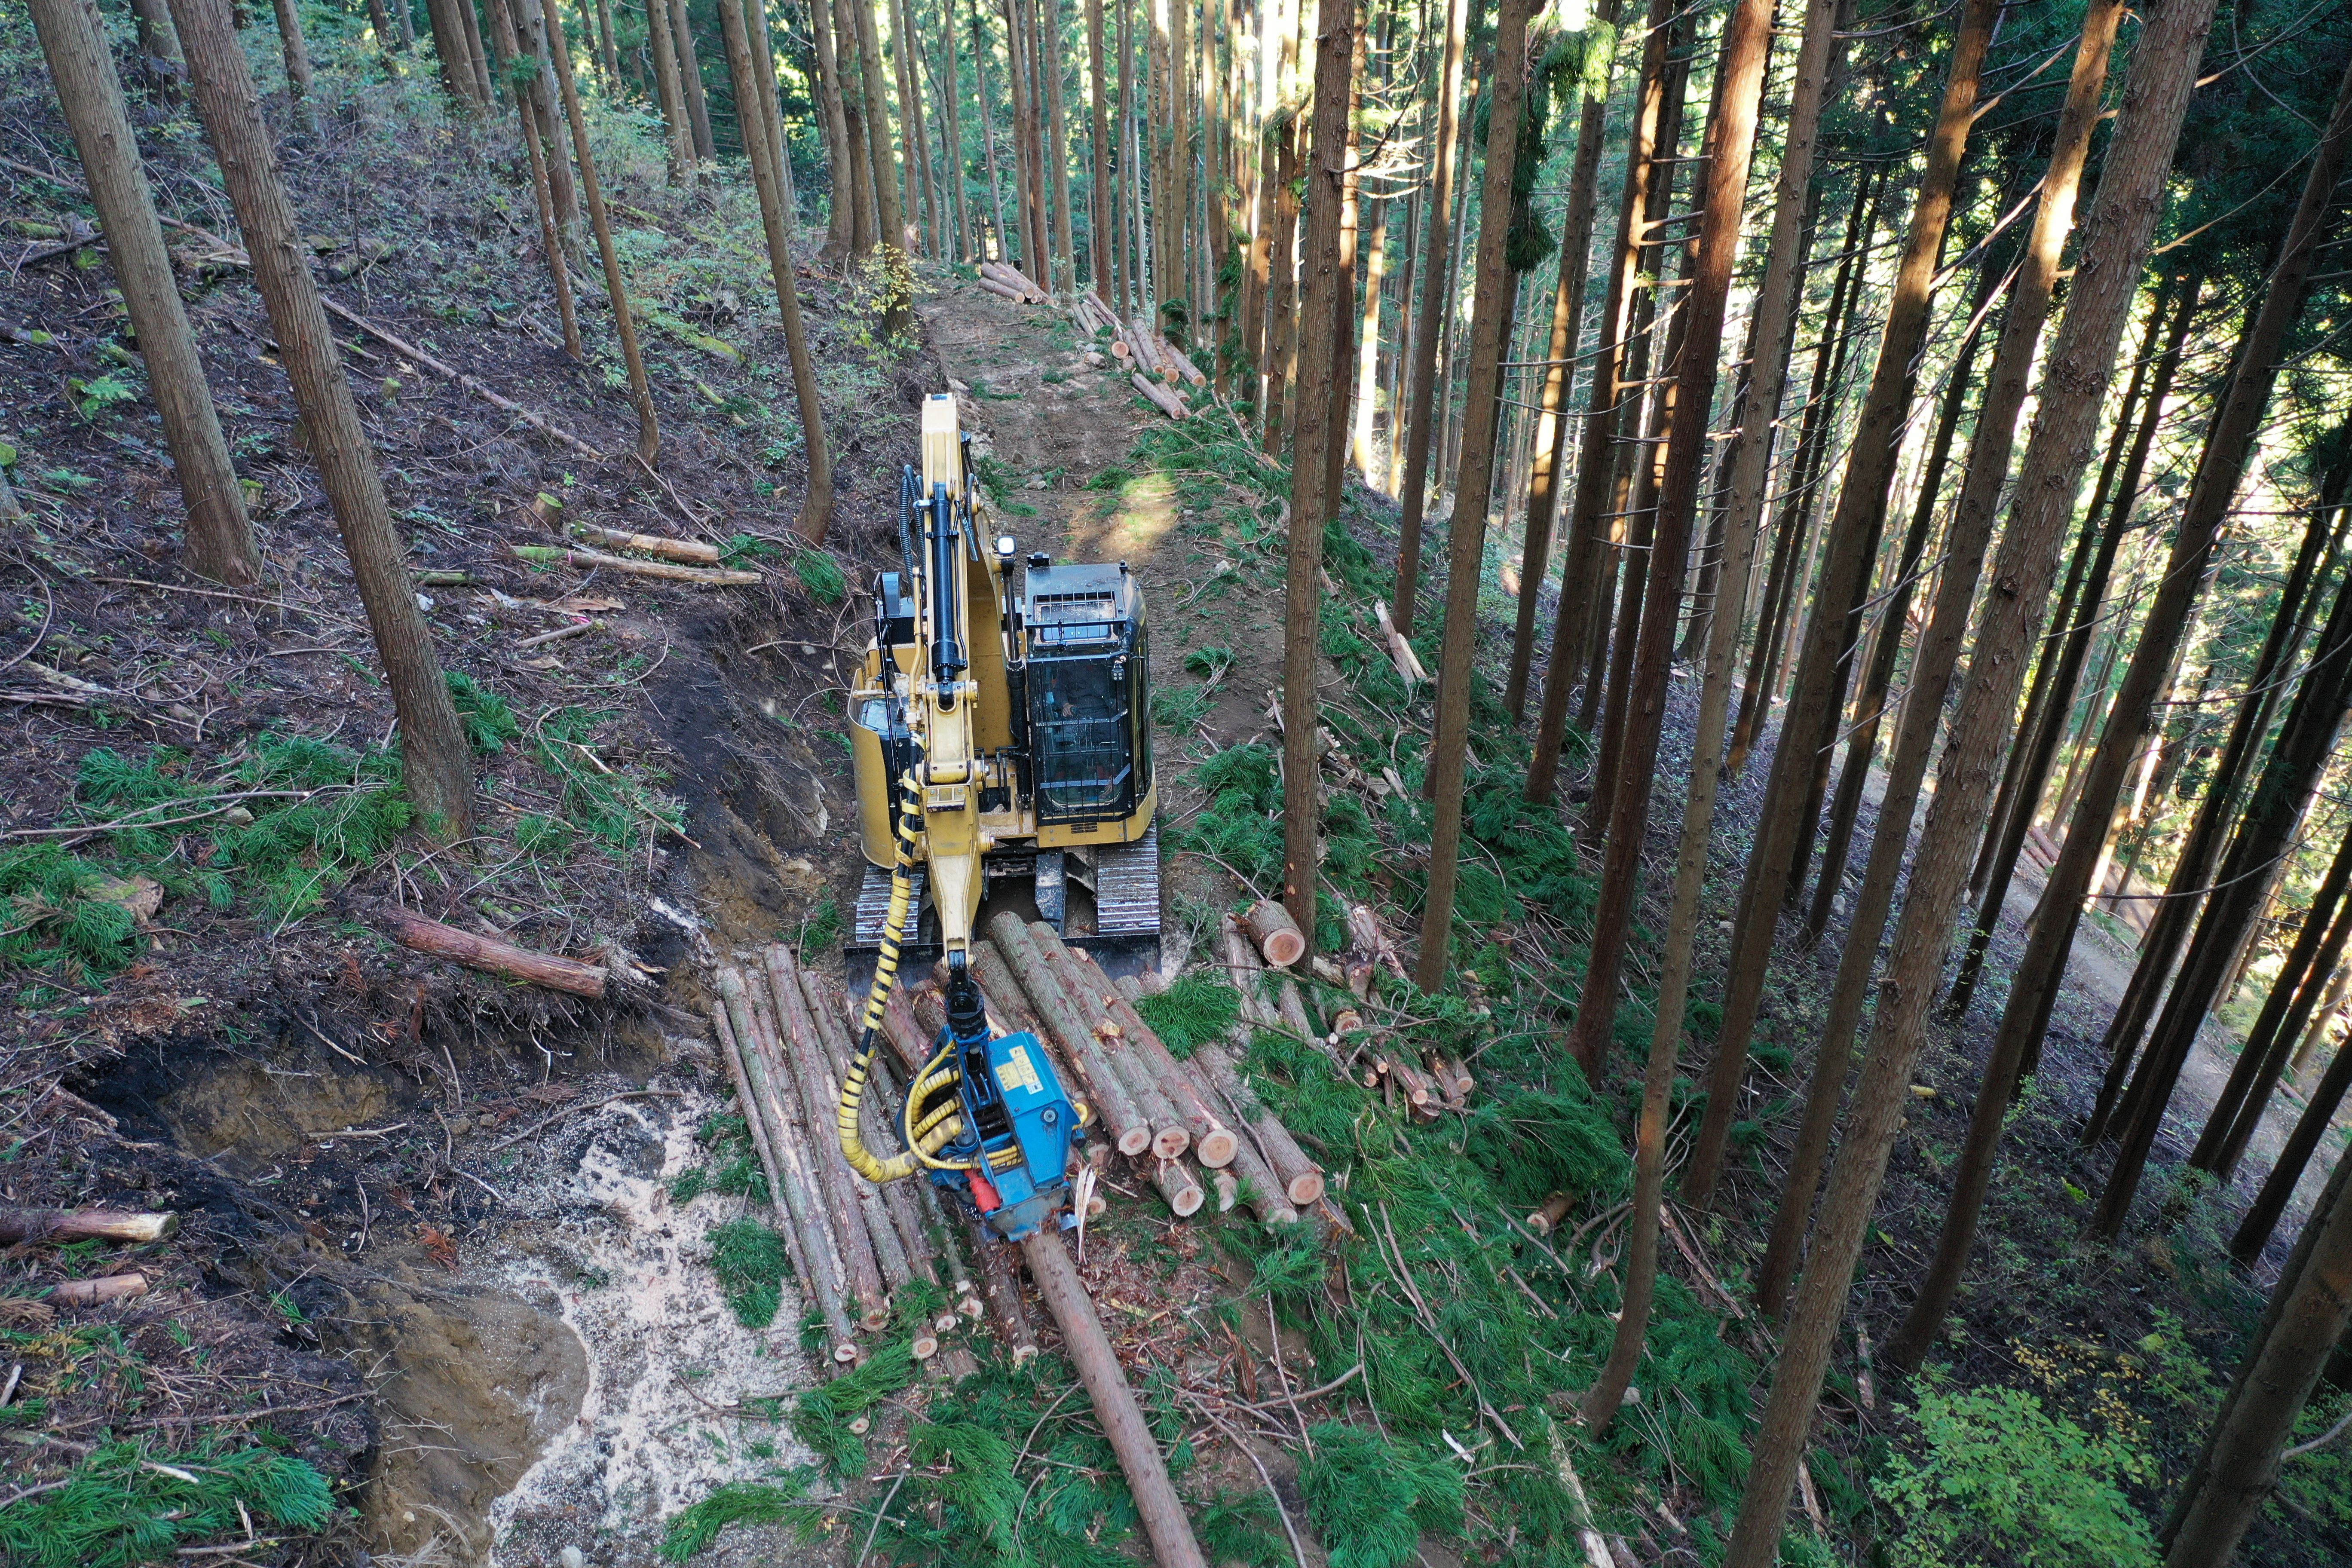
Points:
(450, 1241)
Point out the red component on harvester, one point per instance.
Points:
(983, 1194)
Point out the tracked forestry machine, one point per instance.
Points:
(1004, 758)
(1002, 731)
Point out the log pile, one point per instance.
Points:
(1008, 283)
(1423, 1083)
(1092, 315)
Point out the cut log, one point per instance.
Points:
(1451, 1077)
(1408, 662)
(1084, 986)
(795, 1066)
(1279, 940)
(1212, 1142)
(1004, 290)
(1002, 1288)
(1245, 972)
(1183, 366)
(1295, 1016)
(40, 1227)
(1122, 1119)
(1546, 1219)
(98, 1293)
(964, 1295)
(1179, 1187)
(667, 571)
(1089, 1350)
(691, 550)
(1159, 397)
(1301, 1179)
(732, 1051)
(501, 958)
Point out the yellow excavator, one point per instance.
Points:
(1001, 730)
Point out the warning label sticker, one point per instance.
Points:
(1017, 1072)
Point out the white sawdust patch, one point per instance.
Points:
(666, 1360)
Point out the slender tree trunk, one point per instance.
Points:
(761, 142)
(840, 150)
(915, 151)
(1028, 203)
(1608, 397)
(763, 61)
(1066, 263)
(455, 55)
(2006, 386)
(1551, 436)
(502, 24)
(668, 89)
(297, 54)
(2293, 995)
(485, 95)
(1343, 310)
(1282, 295)
(2318, 1118)
(610, 56)
(2331, 1013)
(987, 130)
(1127, 254)
(437, 771)
(1101, 203)
(1301, 644)
(689, 78)
(1368, 341)
(2242, 1462)
(219, 539)
(2082, 359)
(2267, 831)
(890, 220)
(1412, 495)
(865, 206)
(624, 327)
(1474, 490)
(2022, 790)
(158, 43)
(1869, 708)
(1808, 724)
(1729, 144)
(1257, 265)
(2220, 468)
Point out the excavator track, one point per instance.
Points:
(1127, 889)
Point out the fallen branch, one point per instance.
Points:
(693, 551)
(98, 1293)
(51, 1225)
(577, 629)
(706, 577)
(501, 958)
(537, 422)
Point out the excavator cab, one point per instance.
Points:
(1009, 698)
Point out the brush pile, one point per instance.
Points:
(1194, 1130)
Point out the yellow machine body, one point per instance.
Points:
(1015, 696)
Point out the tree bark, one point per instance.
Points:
(501, 958)
(1808, 724)
(219, 539)
(1049, 62)
(1412, 496)
(1368, 341)
(550, 237)
(988, 128)
(1302, 623)
(1101, 202)
(1729, 144)
(1282, 294)
(1550, 439)
(669, 90)
(2082, 360)
(1604, 403)
(890, 221)
(1871, 705)
(641, 392)
(456, 57)
(914, 144)
(437, 771)
(776, 224)
(2294, 997)
(1474, 490)
(297, 55)
(2006, 385)
(2021, 792)
(690, 79)
(841, 152)
(2220, 468)
(2240, 1465)
(607, 54)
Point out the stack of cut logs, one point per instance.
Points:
(1008, 283)
(1425, 1083)
(786, 1036)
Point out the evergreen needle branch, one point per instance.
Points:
(1403, 1276)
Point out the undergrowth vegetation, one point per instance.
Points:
(126, 1502)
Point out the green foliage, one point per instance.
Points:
(751, 1266)
(1369, 1498)
(1182, 707)
(1209, 663)
(822, 575)
(1244, 1528)
(819, 930)
(126, 1503)
(535, 834)
(693, 1529)
(1533, 1143)
(606, 803)
(1192, 1011)
(1996, 1474)
(489, 722)
(822, 1416)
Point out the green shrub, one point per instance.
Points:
(1370, 1499)
(1995, 1474)
(489, 722)
(751, 1266)
(126, 1504)
(1192, 1011)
